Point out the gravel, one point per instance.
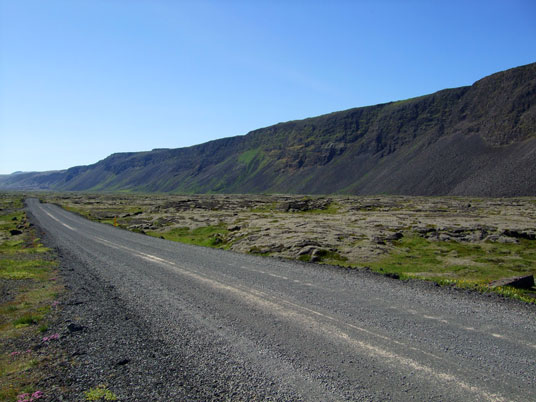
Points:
(108, 343)
(156, 320)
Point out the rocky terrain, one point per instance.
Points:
(478, 140)
(444, 239)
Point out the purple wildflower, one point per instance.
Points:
(23, 398)
(29, 398)
(51, 337)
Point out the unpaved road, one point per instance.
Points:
(248, 327)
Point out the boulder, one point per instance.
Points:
(378, 240)
(306, 250)
(494, 238)
(394, 236)
(520, 234)
(74, 327)
(520, 282)
(304, 205)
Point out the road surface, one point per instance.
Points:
(262, 328)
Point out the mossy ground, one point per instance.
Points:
(462, 264)
(28, 274)
(207, 236)
(343, 230)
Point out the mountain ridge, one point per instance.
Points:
(477, 140)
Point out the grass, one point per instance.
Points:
(465, 265)
(247, 157)
(27, 319)
(207, 236)
(80, 211)
(416, 256)
(27, 268)
(100, 393)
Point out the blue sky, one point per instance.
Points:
(80, 80)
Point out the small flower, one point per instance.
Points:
(15, 353)
(51, 337)
(37, 395)
(55, 303)
(29, 351)
(23, 398)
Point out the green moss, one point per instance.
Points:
(462, 264)
(304, 258)
(100, 393)
(30, 269)
(208, 236)
(330, 257)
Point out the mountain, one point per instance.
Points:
(478, 140)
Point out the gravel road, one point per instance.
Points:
(158, 320)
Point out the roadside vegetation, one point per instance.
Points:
(29, 289)
(451, 241)
(462, 264)
(207, 236)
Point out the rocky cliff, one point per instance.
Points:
(478, 140)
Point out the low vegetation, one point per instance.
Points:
(208, 236)
(463, 264)
(29, 291)
(100, 393)
(452, 241)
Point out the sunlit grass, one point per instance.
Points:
(462, 264)
(207, 236)
(416, 256)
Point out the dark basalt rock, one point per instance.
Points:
(520, 282)
(74, 327)
(521, 234)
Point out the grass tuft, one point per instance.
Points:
(100, 393)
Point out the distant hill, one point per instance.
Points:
(478, 140)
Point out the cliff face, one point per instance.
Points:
(478, 140)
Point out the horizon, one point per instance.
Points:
(83, 81)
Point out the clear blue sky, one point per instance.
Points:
(82, 79)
